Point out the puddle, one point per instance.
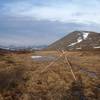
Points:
(43, 58)
(90, 73)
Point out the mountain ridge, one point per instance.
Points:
(77, 40)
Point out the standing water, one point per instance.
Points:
(43, 58)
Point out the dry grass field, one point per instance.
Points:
(21, 77)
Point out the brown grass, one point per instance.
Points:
(21, 77)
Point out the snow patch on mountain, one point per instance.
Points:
(80, 39)
(85, 35)
(72, 44)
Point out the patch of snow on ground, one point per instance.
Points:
(97, 47)
(36, 57)
(85, 35)
(78, 48)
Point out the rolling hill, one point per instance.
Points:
(77, 40)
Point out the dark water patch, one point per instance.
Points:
(86, 71)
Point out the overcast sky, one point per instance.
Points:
(40, 22)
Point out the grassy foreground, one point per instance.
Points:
(21, 77)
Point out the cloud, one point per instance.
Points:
(36, 32)
(38, 22)
(63, 10)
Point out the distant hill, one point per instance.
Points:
(21, 48)
(77, 40)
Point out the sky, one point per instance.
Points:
(41, 22)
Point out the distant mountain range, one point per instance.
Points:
(19, 48)
(77, 40)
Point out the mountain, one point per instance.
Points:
(78, 40)
(21, 48)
